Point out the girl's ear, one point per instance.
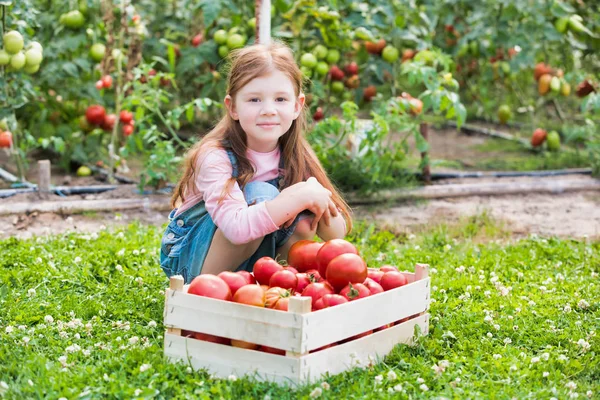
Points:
(299, 104)
(231, 107)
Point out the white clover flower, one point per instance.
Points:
(507, 341)
(567, 309)
(48, 319)
(325, 386)
(545, 356)
(378, 379)
(510, 317)
(460, 269)
(9, 329)
(573, 395)
(546, 374)
(398, 388)
(497, 327)
(562, 357)
(62, 360)
(424, 387)
(152, 324)
(317, 392)
(513, 367)
(489, 334)
(22, 327)
(232, 378)
(532, 303)
(515, 327)
(136, 252)
(589, 394)
(145, 367)
(584, 305)
(497, 356)
(518, 310)
(571, 385)
(391, 375)
(86, 352)
(189, 370)
(504, 291)
(535, 360)
(119, 268)
(137, 392)
(585, 346)
(139, 280)
(26, 339)
(487, 318)
(134, 340)
(420, 380)
(31, 292)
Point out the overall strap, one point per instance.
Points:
(233, 160)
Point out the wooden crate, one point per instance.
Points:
(297, 331)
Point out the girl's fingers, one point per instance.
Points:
(333, 209)
(326, 217)
(315, 221)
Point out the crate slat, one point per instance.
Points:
(273, 328)
(223, 361)
(343, 321)
(340, 358)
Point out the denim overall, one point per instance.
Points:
(187, 239)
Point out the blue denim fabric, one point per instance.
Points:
(187, 238)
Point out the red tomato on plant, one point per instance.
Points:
(127, 130)
(373, 286)
(109, 122)
(274, 295)
(375, 274)
(393, 279)
(303, 281)
(212, 338)
(95, 114)
(355, 291)
(330, 300)
(107, 81)
(303, 254)
(196, 40)
(99, 84)
(316, 290)
(264, 268)
(5, 140)
(210, 286)
(330, 250)
(248, 276)
(233, 280)
(125, 117)
(346, 268)
(284, 279)
(252, 295)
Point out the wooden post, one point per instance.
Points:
(422, 272)
(423, 128)
(44, 176)
(262, 13)
(299, 305)
(175, 284)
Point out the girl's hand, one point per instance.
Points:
(320, 202)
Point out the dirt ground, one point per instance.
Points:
(568, 215)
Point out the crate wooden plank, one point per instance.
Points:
(223, 361)
(279, 329)
(340, 358)
(343, 321)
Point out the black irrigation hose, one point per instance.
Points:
(508, 174)
(61, 190)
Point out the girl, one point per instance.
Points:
(253, 186)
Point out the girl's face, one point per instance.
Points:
(265, 108)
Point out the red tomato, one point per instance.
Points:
(373, 286)
(233, 280)
(99, 84)
(393, 279)
(375, 274)
(284, 279)
(303, 282)
(5, 139)
(125, 117)
(324, 347)
(109, 122)
(274, 294)
(316, 290)
(303, 254)
(355, 291)
(252, 295)
(314, 275)
(289, 268)
(210, 286)
(107, 81)
(127, 130)
(196, 40)
(264, 268)
(95, 114)
(330, 250)
(346, 268)
(367, 333)
(282, 304)
(248, 276)
(329, 300)
(212, 338)
(271, 350)
(386, 326)
(388, 268)
(243, 345)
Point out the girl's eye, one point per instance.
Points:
(254, 100)
(281, 99)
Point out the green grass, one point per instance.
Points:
(509, 319)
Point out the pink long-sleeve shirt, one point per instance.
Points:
(239, 222)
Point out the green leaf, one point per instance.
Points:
(211, 10)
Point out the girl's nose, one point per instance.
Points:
(268, 108)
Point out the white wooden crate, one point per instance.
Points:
(297, 331)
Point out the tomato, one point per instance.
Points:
(233, 280)
(386, 326)
(373, 286)
(264, 268)
(243, 345)
(329, 300)
(291, 269)
(346, 268)
(322, 68)
(211, 338)
(284, 279)
(416, 106)
(303, 255)
(316, 290)
(125, 116)
(387, 268)
(210, 286)
(271, 350)
(73, 19)
(282, 304)
(127, 130)
(5, 140)
(235, 41)
(553, 141)
(393, 279)
(107, 81)
(336, 73)
(109, 122)
(13, 42)
(332, 249)
(369, 92)
(314, 275)
(303, 282)
(196, 40)
(355, 291)
(220, 36)
(333, 56)
(538, 137)
(252, 295)
(374, 274)
(97, 52)
(308, 60)
(95, 114)
(274, 294)
(248, 276)
(390, 54)
(33, 57)
(337, 87)
(375, 48)
(352, 68)
(318, 115)
(99, 84)
(84, 171)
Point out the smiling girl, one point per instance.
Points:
(253, 186)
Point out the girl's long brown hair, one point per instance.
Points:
(298, 156)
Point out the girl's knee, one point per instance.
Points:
(258, 192)
(304, 230)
